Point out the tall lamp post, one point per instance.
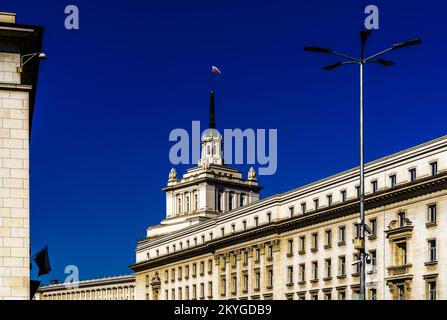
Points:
(363, 227)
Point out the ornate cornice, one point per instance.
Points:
(385, 197)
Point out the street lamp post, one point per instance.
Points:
(363, 227)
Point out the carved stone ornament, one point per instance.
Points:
(252, 174)
(172, 175)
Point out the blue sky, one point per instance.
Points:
(110, 93)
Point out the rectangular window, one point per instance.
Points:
(373, 294)
(187, 292)
(222, 231)
(342, 234)
(393, 180)
(202, 267)
(342, 266)
(401, 253)
(328, 263)
(210, 289)
(245, 282)
(314, 241)
(256, 221)
(211, 236)
(327, 295)
(357, 229)
(257, 254)
(401, 217)
(289, 274)
(374, 186)
(270, 278)
(203, 238)
(431, 290)
(315, 270)
(194, 269)
(328, 238)
(223, 285)
(244, 225)
(233, 228)
(329, 200)
(373, 255)
(291, 211)
(186, 271)
(373, 226)
(434, 168)
(432, 250)
(242, 200)
(316, 204)
(343, 195)
(302, 274)
(290, 247)
(431, 213)
(210, 266)
(302, 244)
(270, 252)
(245, 258)
(257, 280)
(357, 191)
(234, 284)
(194, 291)
(269, 217)
(342, 294)
(357, 266)
(303, 208)
(412, 173)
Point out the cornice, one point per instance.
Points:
(392, 195)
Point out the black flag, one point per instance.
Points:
(34, 285)
(43, 261)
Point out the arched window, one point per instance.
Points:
(208, 149)
(214, 149)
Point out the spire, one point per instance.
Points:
(212, 123)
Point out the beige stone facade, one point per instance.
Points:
(17, 92)
(110, 288)
(300, 244)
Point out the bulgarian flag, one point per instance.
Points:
(215, 70)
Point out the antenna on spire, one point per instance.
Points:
(212, 122)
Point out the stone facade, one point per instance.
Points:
(16, 103)
(111, 288)
(300, 244)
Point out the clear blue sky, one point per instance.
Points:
(110, 93)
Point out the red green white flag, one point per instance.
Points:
(215, 70)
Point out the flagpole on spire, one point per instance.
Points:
(212, 123)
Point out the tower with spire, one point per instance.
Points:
(207, 190)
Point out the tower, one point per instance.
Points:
(17, 93)
(206, 190)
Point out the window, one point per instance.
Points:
(186, 271)
(219, 200)
(328, 265)
(244, 225)
(302, 296)
(195, 241)
(167, 249)
(373, 226)
(314, 295)
(290, 248)
(342, 234)
(373, 256)
(196, 202)
(329, 200)
(257, 255)
(180, 296)
(393, 180)
(202, 267)
(270, 278)
(233, 261)
(432, 250)
(373, 294)
(328, 238)
(194, 291)
(173, 294)
(290, 275)
(400, 253)
(432, 213)
(431, 286)
(245, 282)
(269, 217)
(343, 195)
(223, 285)
(233, 284)
(357, 230)
(400, 292)
(179, 202)
(302, 274)
(270, 252)
(315, 270)
(342, 294)
(256, 221)
(302, 244)
(194, 269)
(187, 204)
(291, 211)
(242, 200)
(342, 265)
(357, 191)
(357, 266)
(374, 186)
(316, 204)
(412, 173)
(245, 255)
(314, 241)
(172, 274)
(303, 208)
(179, 273)
(203, 238)
(233, 228)
(257, 280)
(187, 243)
(222, 231)
(211, 236)
(401, 218)
(231, 201)
(327, 295)
(210, 289)
(434, 168)
(157, 252)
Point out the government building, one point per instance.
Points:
(220, 241)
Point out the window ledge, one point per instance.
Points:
(372, 237)
(341, 276)
(289, 255)
(301, 252)
(327, 279)
(431, 224)
(301, 282)
(431, 263)
(314, 280)
(290, 284)
(341, 243)
(270, 259)
(327, 246)
(355, 274)
(268, 287)
(314, 249)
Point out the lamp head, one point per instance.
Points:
(42, 56)
(317, 49)
(407, 43)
